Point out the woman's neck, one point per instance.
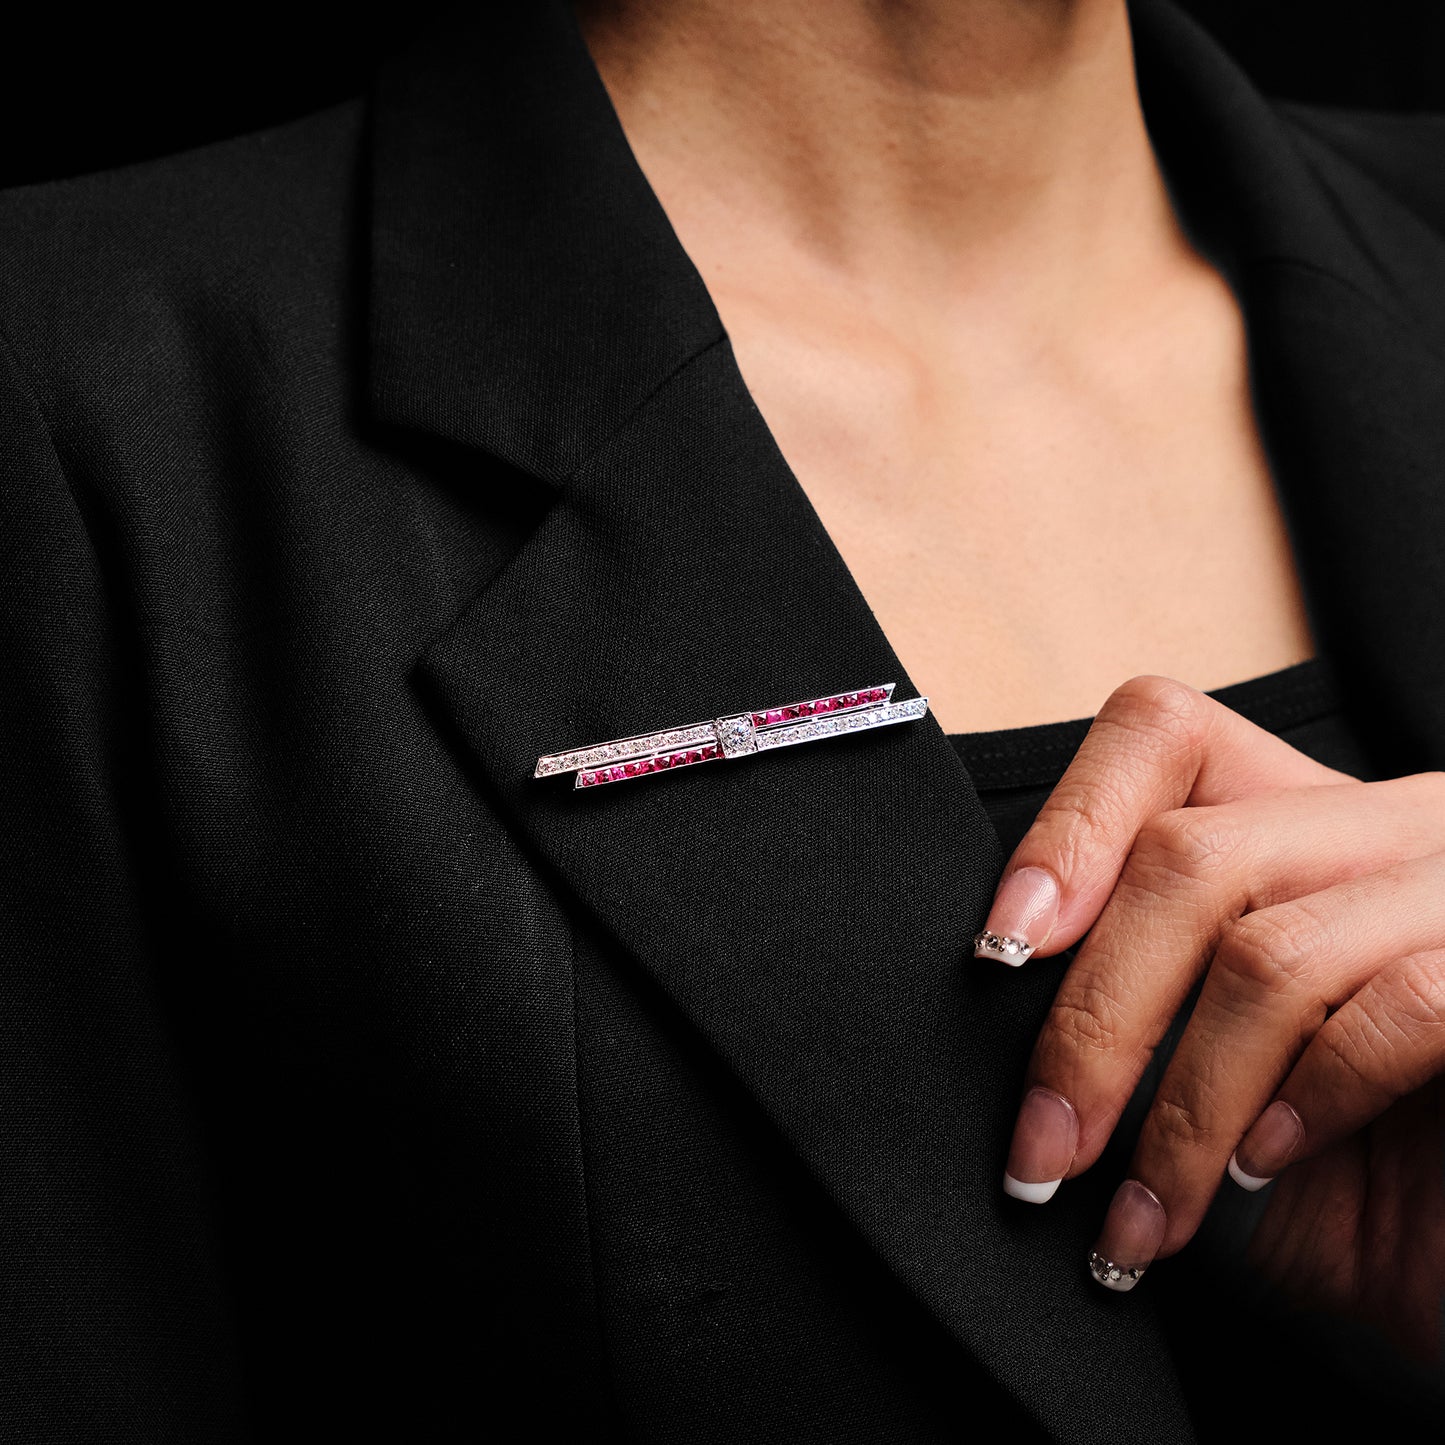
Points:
(921, 146)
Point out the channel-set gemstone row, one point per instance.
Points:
(845, 720)
(734, 736)
(661, 763)
(819, 705)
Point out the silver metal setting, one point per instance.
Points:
(1114, 1276)
(620, 749)
(1001, 946)
(835, 723)
(736, 735)
(733, 736)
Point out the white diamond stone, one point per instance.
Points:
(735, 736)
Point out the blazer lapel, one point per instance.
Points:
(809, 909)
(1343, 291)
(1357, 406)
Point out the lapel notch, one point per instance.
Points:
(497, 164)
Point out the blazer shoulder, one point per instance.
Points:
(106, 264)
(1402, 151)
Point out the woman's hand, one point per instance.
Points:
(1189, 844)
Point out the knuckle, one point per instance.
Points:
(1078, 815)
(1187, 1112)
(1082, 811)
(1190, 843)
(1270, 952)
(1177, 1123)
(1162, 699)
(1356, 1051)
(1386, 1042)
(1417, 995)
(1155, 707)
(1088, 1020)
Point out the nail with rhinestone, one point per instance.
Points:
(1132, 1233)
(1044, 1141)
(1024, 912)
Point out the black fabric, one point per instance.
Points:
(355, 1083)
(1015, 769)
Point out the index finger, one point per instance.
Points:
(1156, 745)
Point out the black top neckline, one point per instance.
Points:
(1038, 754)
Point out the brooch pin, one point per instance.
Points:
(734, 736)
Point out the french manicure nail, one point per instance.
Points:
(1024, 912)
(1133, 1231)
(1045, 1138)
(1274, 1140)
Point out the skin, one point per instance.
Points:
(1018, 400)
(955, 286)
(1189, 844)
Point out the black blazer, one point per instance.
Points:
(355, 1083)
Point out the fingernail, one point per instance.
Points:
(1024, 911)
(1045, 1138)
(1274, 1140)
(1133, 1231)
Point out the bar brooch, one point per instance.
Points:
(734, 736)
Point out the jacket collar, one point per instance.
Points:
(808, 911)
(527, 290)
(1341, 286)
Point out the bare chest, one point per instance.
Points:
(1028, 541)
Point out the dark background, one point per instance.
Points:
(79, 92)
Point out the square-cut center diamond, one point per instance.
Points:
(735, 735)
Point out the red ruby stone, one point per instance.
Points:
(616, 774)
(805, 709)
(826, 704)
(877, 694)
(585, 780)
(849, 699)
(693, 756)
(775, 714)
(708, 753)
(760, 719)
(661, 763)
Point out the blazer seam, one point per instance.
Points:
(1306, 139)
(607, 1382)
(12, 356)
(1297, 263)
(1313, 122)
(636, 410)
